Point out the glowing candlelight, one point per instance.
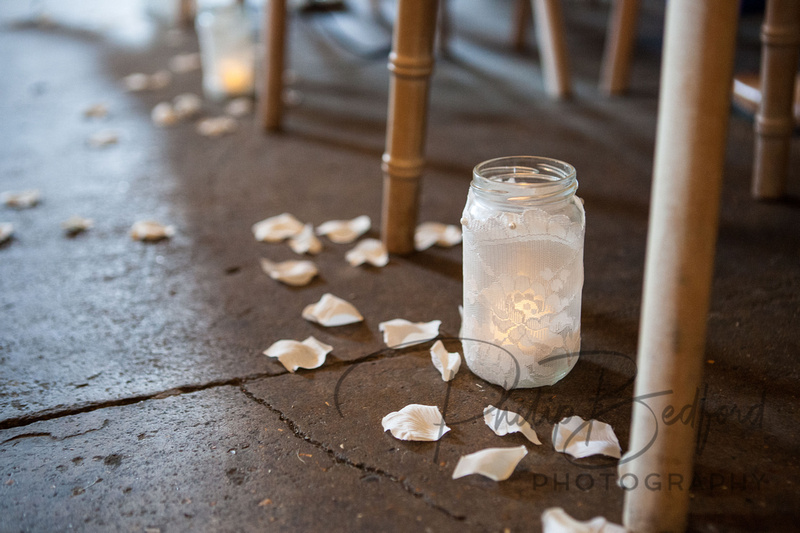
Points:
(236, 75)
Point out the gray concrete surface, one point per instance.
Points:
(133, 392)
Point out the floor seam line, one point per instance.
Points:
(341, 459)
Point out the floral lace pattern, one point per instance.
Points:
(523, 275)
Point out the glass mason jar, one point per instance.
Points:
(227, 52)
(523, 232)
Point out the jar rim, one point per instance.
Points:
(525, 178)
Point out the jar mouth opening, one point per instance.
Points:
(526, 177)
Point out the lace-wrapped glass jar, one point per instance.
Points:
(523, 271)
(227, 51)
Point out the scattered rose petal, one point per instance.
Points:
(136, 82)
(76, 224)
(22, 199)
(292, 354)
(370, 251)
(103, 138)
(345, 231)
(556, 520)
(495, 463)
(581, 438)
(6, 231)
(163, 114)
(305, 242)
(187, 105)
(149, 230)
(239, 107)
(159, 79)
(400, 332)
(182, 63)
(430, 233)
(332, 311)
(295, 273)
(446, 363)
(142, 82)
(416, 422)
(277, 228)
(96, 111)
(505, 422)
(216, 126)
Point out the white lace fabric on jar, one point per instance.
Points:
(523, 278)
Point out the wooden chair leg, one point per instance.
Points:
(410, 64)
(186, 12)
(552, 46)
(271, 102)
(780, 38)
(521, 23)
(694, 106)
(618, 50)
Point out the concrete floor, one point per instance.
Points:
(133, 392)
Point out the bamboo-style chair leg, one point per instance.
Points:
(186, 12)
(780, 39)
(552, 46)
(618, 50)
(697, 71)
(520, 23)
(271, 102)
(410, 64)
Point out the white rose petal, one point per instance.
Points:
(370, 251)
(149, 230)
(429, 233)
(582, 438)
(305, 242)
(76, 224)
(163, 114)
(187, 105)
(183, 63)
(295, 273)
(6, 231)
(239, 107)
(103, 138)
(416, 422)
(332, 311)
(345, 231)
(505, 422)
(495, 463)
(556, 520)
(160, 79)
(216, 126)
(22, 199)
(293, 354)
(136, 82)
(277, 228)
(401, 332)
(446, 363)
(142, 82)
(96, 111)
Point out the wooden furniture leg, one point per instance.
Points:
(521, 23)
(552, 46)
(780, 39)
(410, 64)
(694, 105)
(187, 9)
(271, 102)
(618, 49)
